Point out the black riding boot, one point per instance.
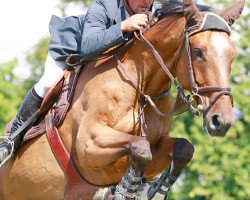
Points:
(29, 106)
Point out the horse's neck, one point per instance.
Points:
(167, 38)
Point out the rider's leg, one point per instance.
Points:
(32, 102)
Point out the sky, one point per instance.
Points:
(23, 23)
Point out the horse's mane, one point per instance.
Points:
(173, 7)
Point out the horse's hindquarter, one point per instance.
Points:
(33, 173)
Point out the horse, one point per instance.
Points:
(115, 140)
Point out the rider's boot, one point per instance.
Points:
(29, 106)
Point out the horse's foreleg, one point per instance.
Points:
(182, 154)
(107, 145)
(181, 151)
(132, 180)
(107, 141)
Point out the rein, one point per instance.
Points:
(196, 91)
(181, 97)
(143, 99)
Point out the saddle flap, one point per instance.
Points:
(58, 98)
(53, 93)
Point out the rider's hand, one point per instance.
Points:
(135, 22)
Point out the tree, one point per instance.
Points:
(36, 59)
(11, 90)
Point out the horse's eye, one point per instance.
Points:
(198, 53)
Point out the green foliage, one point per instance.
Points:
(220, 167)
(10, 91)
(36, 58)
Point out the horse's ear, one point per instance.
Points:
(233, 12)
(191, 13)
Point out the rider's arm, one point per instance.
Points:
(99, 33)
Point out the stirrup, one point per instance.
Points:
(128, 187)
(161, 186)
(11, 142)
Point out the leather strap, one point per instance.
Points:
(77, 187)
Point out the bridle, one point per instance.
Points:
(189, 100)
(198, 91)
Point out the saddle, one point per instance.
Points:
(58, 99)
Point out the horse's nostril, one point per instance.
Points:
(216, 121)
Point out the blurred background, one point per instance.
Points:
(220, 168)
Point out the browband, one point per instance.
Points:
(211, 21)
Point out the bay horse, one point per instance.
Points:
(101, 130)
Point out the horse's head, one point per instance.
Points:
(210, 54)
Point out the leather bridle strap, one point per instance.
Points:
(195, 88)
(214, 88)
(143, 98)
(197, 91)
(216, 99)
(166, 70)
(157, 56)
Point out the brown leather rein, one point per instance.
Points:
(196, 90)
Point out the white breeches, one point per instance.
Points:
(52, 72)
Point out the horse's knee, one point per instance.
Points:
(140, 151)
(183, 152)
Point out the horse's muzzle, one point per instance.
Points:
(217, 124)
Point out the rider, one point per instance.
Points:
(106, 24)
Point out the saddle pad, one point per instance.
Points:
(60, 107)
